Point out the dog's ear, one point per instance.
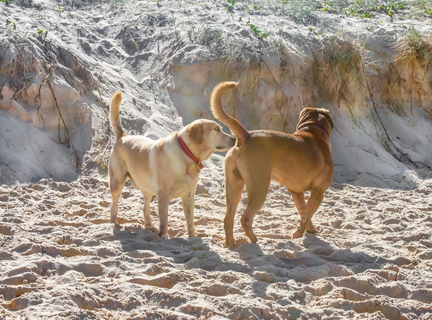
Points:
(329, 118)
(304, 114)
(196, 132)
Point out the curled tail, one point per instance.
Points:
(218, 111)
(114, 115)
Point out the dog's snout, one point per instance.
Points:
(228, 142)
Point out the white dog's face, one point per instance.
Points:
(209, 136)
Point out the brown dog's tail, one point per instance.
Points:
(115, 117)
(218, 111)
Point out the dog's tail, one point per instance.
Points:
(115, 117)
(218, 111)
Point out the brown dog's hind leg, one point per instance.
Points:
(116, 187)
(163, 202)
(257, 187)
(306, 215)
(234, 187)
(146, 211)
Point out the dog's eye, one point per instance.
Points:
(217, 129)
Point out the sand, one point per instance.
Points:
(60, 258)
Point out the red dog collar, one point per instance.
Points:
(189, 153)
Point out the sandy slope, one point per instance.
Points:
(61, 259)
(167, 57)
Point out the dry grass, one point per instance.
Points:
(415, 47)
(410, 70)
(340, 69)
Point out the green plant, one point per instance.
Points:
(42, 33)
(364, 8)
(328, 7)
(414, 37)
(256, 30)
(230, 4)
(6, 2)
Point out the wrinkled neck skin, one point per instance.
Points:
(318, 132)
(199, 152)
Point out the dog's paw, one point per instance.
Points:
(164, 236)
(230, 244)
(314, 230)
(153, 229)
(297, 234)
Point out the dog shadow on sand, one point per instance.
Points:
(292, 263)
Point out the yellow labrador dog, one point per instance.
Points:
(301, 162)
(168, 167)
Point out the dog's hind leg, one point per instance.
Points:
(188, 207)
(163, 202)
(257, 185)
(147, 199)
(307, 212)
(234, 185)
(117, 183)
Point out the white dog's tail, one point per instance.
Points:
(218, 111)
(115, 117)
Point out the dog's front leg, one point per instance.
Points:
(307, 212)
(147, 199)
(300, 203)
(188, 207)
(163, 202)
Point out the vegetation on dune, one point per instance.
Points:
(305, 28)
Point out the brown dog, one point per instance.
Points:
(168, 167)
(301, 162)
